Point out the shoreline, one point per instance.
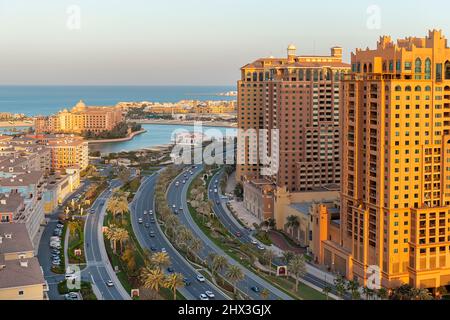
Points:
(130, 137)
(6, 124)
(187, 123)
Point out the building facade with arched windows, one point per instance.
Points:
(298, 96)
(395, 188)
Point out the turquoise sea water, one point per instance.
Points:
(158, 135)
(45, 100)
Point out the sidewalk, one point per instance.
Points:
(244, 215)
(309, 284)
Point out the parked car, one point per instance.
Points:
(260, 247)
(254, 242)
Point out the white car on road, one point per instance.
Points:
(204, 297)
(210, 294)
(200, 278)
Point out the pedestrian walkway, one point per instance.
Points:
(244, 215)
(307, 283)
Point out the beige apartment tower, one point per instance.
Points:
(299, 96)
(395, 191)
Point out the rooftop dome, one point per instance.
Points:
(80, 106)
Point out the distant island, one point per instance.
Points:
(228, 94)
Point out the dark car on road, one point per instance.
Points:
(255, 289)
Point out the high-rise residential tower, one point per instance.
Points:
(395, 191)
(299, 96)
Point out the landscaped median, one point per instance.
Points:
(136, 268)
(85, 290)
(246, 254)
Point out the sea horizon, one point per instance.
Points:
(33, 100)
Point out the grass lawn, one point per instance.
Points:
(77, 242)
(284, 284)
(85, 290)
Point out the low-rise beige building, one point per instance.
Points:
(258, 198)
(21, 276)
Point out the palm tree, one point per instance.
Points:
(219, 263)
(173, 282)
(353, 287)
(195, 247)
(111, 235)
(183, 236)
(152, 279)
(297, 266)
(367, 292)
(341, 286)
(234, 274)
(160, 260)
(292, 223)
(171, 223)
(421, 294)
(288, 256)
(382, 293)
(268, 256)
(121, 236)
(326, 290)
(73, 225)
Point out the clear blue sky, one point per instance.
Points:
(187, 41)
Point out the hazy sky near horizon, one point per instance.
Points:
(182, 42)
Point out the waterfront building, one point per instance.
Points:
(81, 119)
(395, 188)
(67, 151)
(299, 96)
(21, 276)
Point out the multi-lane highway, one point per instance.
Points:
(144, 202)
(99, 269)
(178, 196)
(226, 219)
(233, 225)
